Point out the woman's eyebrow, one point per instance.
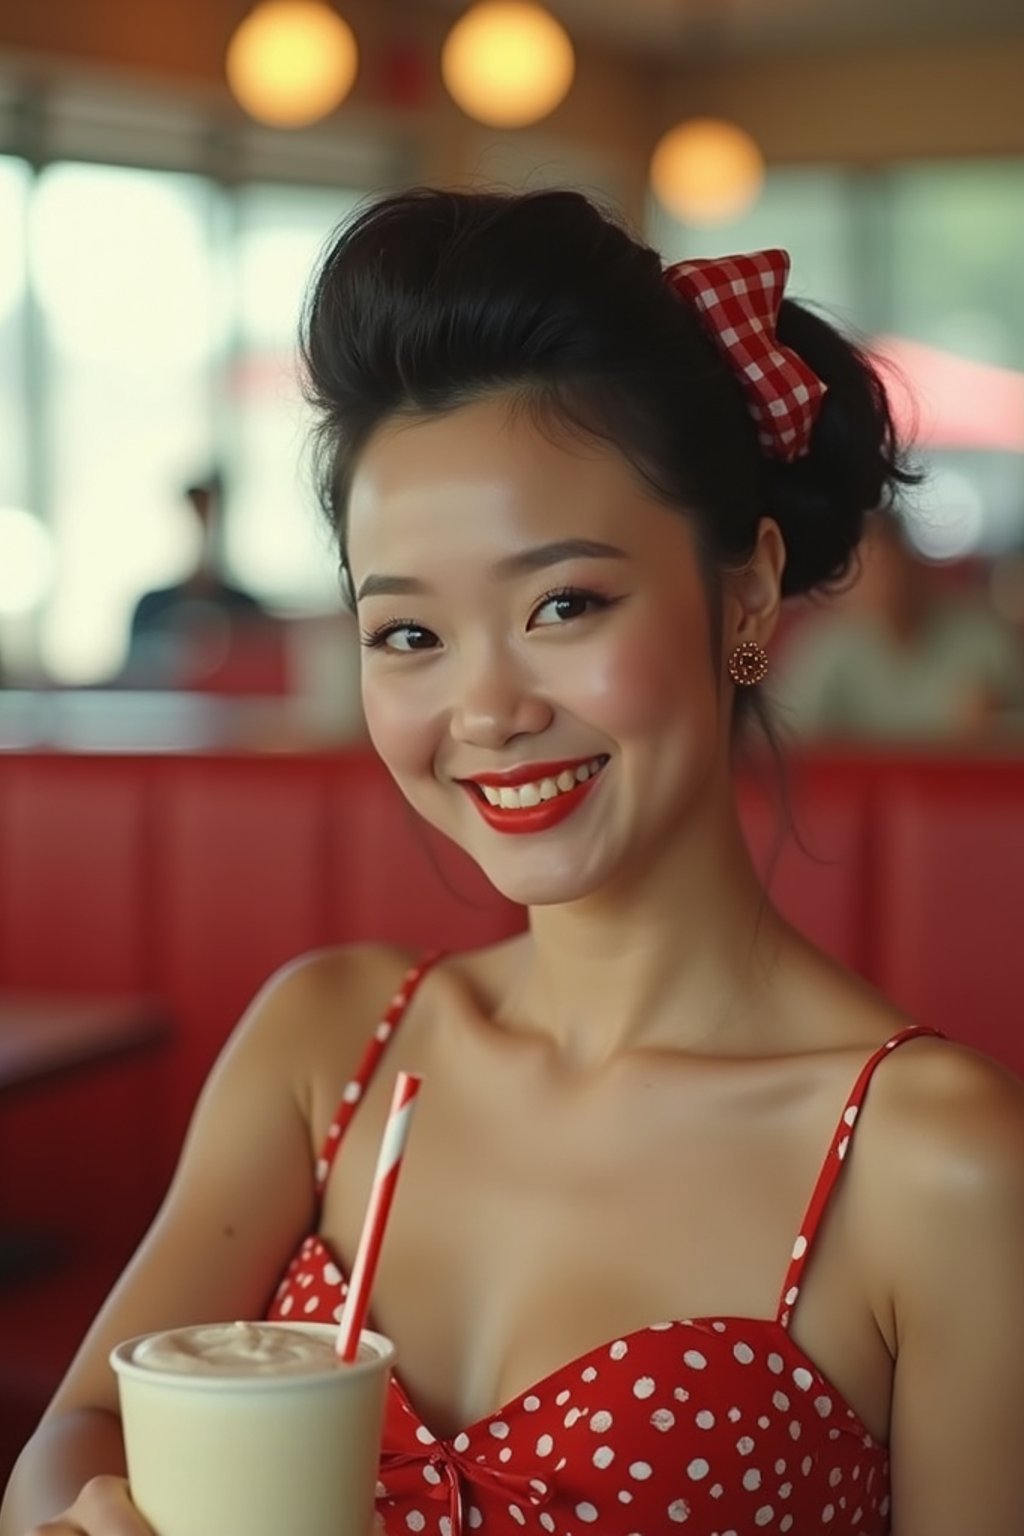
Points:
(525, 561)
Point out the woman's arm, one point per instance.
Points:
(956, 1227)
(239, 1203)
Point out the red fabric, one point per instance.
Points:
(738, 299)
(721, 1423)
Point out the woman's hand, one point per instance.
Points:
(103, 1508)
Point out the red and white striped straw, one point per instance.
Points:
(389, 1165)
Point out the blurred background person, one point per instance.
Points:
(901, 658)
(185, 630)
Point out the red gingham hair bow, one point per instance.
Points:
(737, 299)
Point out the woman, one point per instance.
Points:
(649, 1266)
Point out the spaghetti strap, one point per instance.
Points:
(832, 1167)
(360, 1080)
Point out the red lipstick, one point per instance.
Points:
(532, 818)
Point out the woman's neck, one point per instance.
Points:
(670, 958)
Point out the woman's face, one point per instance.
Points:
(533, 616)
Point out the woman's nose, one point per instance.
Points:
(497, 700)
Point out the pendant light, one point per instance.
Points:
(508, 63)
(291, 62)
(707, 171)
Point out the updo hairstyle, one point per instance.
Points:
(433, 299)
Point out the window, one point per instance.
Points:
(14, 461)
(278, 544)
(164, 311)
(132, 334)
(955, 257)
(147, 326)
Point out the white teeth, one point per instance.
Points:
(526, 795)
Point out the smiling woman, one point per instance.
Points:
(691, 1217)
(500, 675)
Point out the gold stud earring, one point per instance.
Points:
(748, 664)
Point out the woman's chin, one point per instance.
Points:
(543, 869)
(539, 881)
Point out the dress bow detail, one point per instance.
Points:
(441, 1473)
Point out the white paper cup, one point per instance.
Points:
(293, 1454)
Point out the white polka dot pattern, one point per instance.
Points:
(721, 1425)
(627, 1463)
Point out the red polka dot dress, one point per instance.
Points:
(719, 1425)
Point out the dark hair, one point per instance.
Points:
(432, 299)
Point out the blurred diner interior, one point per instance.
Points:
(187, 795)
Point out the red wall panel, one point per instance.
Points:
(194, 877)
(394, 878)
(240, 877)
(814, 854)
(74, 892)
(951, 906)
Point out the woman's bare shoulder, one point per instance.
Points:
(318, 1009)
(942, 1123)
(948, 1099)
(341, 973)
(941, 1159)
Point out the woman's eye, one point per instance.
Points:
(399, 635)
(570, 603)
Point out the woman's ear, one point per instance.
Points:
(753, 592)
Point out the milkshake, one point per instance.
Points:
(253, 1429)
